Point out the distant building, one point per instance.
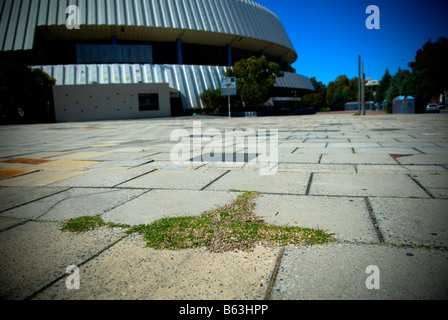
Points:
(372, 85)
(134, 46)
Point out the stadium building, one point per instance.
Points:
(123, 59)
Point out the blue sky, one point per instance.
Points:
(329, 35)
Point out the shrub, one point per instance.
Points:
(26, 94)
(212, 99)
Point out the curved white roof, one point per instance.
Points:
(242, 23)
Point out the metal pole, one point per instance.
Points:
(229, 104)
(363, 97)
(359, 84)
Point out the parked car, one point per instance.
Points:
(433, 107)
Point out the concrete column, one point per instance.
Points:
(229, 54)
(179, 50)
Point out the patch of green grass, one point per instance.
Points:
(230, 227)
(87, 223)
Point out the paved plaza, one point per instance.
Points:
(377, 182)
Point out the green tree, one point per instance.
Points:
(401, 84)
(318, 97)
(25, 94)
(383, 86)
(255, 78)
(340, 91)
(430, 71)
(212, 99)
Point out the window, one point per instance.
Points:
(148, 101)
(102, 53)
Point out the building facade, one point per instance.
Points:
(186, 44)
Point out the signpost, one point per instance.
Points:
(228, 88)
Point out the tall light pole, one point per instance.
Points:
(363, 97)
(359, 84)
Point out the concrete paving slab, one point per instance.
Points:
(307, 150)
(353, 145)
(36, 253)
(347, 218)
(122, 156)
(43, 154)
(103, 145)
(65, 165)
(392, 169)
(439, 193)
(175, 179)
(79, 156)
(432, 180)
(308, 167)
(363, 184)
(412, 221)
(426, 168)
(431, 159)
(162, 156)
(103, 177)
(281, 182)
(16, 196)
(119, 163)
(360, 150)
(40, 178)
(8, 223)
(433, 150)
(73, 203)
(308, 144)
(358, 158)
(338, 272)
(413, 144)
(158, 204)
(132, 271)
(130, 150)
(6, 173)
(168, 165)
(15, 165)
(299, 157)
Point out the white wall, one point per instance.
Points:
(108, 101)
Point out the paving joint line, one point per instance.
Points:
(421, 186)
(374, 220)
(214, 180)
(38, 199)
(49, 285)
(274, 274)
(22, 174)
(140, 175)
(126, 201)
(392, 245)
(308, 187)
